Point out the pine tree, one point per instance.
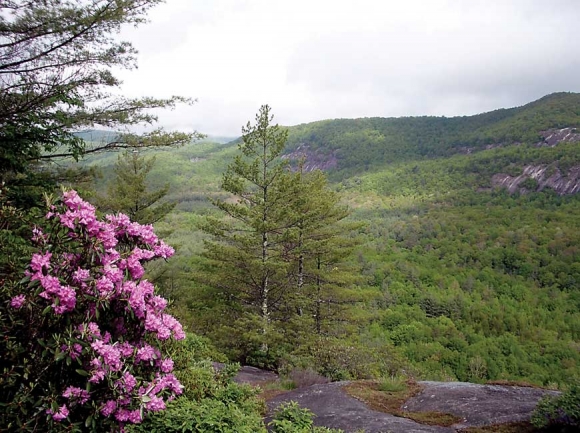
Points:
(128, 192)
(317, 246)
(57, 77)
(276, 260)
(247, 265)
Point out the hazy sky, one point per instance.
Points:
(320, 59)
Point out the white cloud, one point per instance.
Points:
(321, 59)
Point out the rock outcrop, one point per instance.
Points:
(478, 405)
(313, 160)
(552, 137)
(542, 176)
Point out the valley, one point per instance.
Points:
(469, 249)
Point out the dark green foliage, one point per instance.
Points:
(245, 252)
(56, 68)
(211, 402)
(562, 411)
(128, 191)
(276, 257)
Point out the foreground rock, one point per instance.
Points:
(478, 405)
(254, 376)
(335, 409)
(250, 375)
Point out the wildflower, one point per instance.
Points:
(17, 301)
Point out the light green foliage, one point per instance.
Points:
(456, 280)
(128, 191)
(371, 143)
(211, 402)
(291, 418)
(559, 412)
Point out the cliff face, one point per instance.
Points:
(552, 137)
(538, 177)
(533, 177)
(312, 160)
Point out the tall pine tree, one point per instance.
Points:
(276, 257)
(317, 245)
(246, 250)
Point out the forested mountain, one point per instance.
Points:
(459, 276)
(369, 143)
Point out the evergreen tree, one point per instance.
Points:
(276, 259)
(317, 246)
(57, 60)
(128, 192)
(247, 263)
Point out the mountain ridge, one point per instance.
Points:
(363, 144)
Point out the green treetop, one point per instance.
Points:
(56, 75)
(128, 192)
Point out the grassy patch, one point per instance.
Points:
(389, 397)
(270, 390)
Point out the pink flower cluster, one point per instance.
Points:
(104, 276)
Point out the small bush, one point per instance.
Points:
(303, 377)
(391, 385)
(562, 411)
(291, 418)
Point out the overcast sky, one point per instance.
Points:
(320, 59)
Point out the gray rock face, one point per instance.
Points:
(254, 376)
(335, 409)
(478, 405)
(552, 137)
(250, 375)
(545, 176)
(313, 160)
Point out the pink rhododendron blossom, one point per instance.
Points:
(60, 414)
(163, 250)
(145, 353)
(18, 301)
(72, 392)
(105, 287)
(40, 261)
(92, 278)
(167, 365)
(81, 275)
(155, 404)
(109, 407)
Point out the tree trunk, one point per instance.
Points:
(318, 297)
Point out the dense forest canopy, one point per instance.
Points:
(369, 143)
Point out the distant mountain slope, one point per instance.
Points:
(368, 143)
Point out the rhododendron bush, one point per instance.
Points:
(82, 332)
